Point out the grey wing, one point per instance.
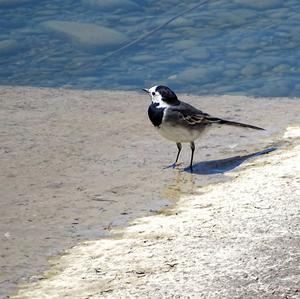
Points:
(191, 115)
(195, 117)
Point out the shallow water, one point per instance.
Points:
(239, 46)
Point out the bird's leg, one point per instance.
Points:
(179, 150)
(175, 163)
(192, 157)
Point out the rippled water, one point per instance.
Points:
(239, 46)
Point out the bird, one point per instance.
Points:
(181, 122)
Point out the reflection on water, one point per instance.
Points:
(234, 46)
(183, 183)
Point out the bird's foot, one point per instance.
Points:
(174, 165)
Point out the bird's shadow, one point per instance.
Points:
(224, 165)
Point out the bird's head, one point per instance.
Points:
(162, 95)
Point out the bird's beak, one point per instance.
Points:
(145, 90)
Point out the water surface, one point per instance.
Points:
(239, 46)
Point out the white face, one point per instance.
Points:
(157, 98)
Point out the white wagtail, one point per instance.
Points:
(179, 121)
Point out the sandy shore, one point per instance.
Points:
(77, 164)
(238, 239)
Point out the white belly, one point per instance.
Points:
(179, 133)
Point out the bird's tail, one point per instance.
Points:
(233, 123)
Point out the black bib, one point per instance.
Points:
(155, 114)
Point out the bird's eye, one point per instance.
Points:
(153, 93)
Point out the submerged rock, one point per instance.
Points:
(231, 73)
(259, 4)
(181, 22)
(9, 46)
(86, 35)
(203, 74)
(197, 53)
(111, 4)
(251, 70)
(10, 3)
(184, 44)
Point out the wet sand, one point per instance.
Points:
(76, 164)
(239, 239)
